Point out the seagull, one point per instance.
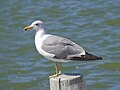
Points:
(57, 48)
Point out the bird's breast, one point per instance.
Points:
(39, 42)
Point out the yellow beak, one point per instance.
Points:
(28, 28)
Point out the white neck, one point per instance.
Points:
(40, 33)
(39, 38)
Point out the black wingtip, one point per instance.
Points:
(92, 57)
(100, 58)
(86, 57)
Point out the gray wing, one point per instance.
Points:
(61, 47)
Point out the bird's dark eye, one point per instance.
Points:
(36, 24)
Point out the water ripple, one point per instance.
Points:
(91, 23)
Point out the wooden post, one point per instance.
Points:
(67, 82)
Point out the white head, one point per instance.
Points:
(36, 25)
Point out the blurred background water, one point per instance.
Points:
(93, 24)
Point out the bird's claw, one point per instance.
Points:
(54, 75)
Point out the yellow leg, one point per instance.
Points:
(60, 72)
(56, 68)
